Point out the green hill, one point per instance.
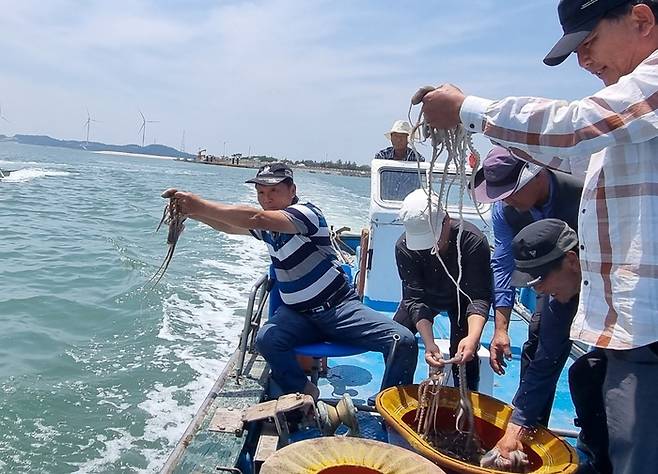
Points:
(44, 140)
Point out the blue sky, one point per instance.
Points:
(298, 79)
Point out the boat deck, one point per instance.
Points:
(360, 375)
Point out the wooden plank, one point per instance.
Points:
(202, 450)
(267, 444)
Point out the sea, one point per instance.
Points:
(100, 371)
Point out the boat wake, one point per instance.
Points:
(28, 174)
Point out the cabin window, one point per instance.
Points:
(395, 185)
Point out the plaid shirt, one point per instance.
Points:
(613, 135)
(387, 154)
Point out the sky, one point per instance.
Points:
(295, 79)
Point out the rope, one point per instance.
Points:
(458, 144)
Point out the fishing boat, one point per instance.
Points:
(242, 427)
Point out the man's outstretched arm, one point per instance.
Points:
(236, 216)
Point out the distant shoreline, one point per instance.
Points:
(138, 155)
(246, 163)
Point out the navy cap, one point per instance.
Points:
(578, 18)
(272, 174)
(537, 247)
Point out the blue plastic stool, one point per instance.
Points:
(325, 349)
(318, 350)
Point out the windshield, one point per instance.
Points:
(395, 185)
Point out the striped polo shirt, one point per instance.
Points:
(305, 264)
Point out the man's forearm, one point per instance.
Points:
(223, 226)
(240, 216)
(425, 329)
(502, 319)
(476, 324)
(245, 217)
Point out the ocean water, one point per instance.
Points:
(97, 372)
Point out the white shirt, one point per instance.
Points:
(613, 136)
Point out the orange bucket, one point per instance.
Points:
(547, 453)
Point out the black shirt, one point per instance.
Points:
(427, 290)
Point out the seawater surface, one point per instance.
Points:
(97, 373)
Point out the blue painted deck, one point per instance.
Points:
(361, 375)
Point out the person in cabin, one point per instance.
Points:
(427, 260)
(319, 303)
(400, 151)
(545, 255)
(522, 193)
(614, 132)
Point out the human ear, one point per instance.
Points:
(572, 261)
(643, 18)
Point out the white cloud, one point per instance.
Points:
(289, 78)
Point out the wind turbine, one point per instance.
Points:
(2, 117)
(142, 129)
(87, 124)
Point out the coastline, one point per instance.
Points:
(137, 155)
(246, 164)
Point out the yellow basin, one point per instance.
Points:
(547, 453)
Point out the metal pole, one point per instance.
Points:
(246, 328)
(391, 356)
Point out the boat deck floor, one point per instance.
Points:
(360, 375)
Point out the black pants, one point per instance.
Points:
(458, 331)
(586, 377)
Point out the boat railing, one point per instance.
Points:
(257, 299)
(577, 349)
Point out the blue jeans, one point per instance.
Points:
(350, 322)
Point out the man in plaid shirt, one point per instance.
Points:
(613, 135)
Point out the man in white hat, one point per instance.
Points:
(399, 136)
(427, 289)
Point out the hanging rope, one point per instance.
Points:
(458, 145)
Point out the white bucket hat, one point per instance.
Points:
(414, 214)
(399, 126)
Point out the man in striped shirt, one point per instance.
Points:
(613, 135)
(319, 303)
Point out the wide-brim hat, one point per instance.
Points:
(399, 126)
(501, 175)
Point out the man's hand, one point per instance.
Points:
(190, 204)
(508, 453)
(441, 106)
(499, 351)
(433, 355)
(467, 348)
(511, 441)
